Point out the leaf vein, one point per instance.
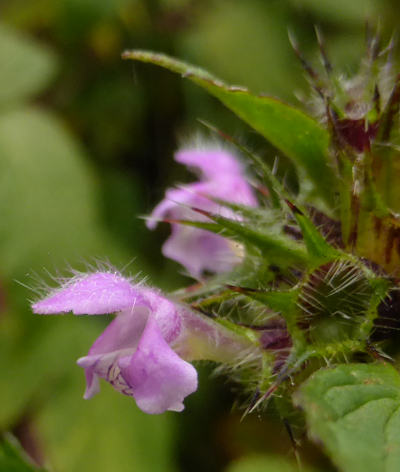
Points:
(362, 405)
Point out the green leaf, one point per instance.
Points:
(318, 248)
(282, 302)
(276, 248)
(296, 134)
(26, 66)
(47, 195)
(252, 213)
(13, 458)
(354, 410)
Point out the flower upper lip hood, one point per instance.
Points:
(135, 352)
(222, 177)
(213, 163)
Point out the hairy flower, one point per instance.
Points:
(222, 177)
(136, 352)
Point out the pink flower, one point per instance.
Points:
(136, 352)
(222, 177)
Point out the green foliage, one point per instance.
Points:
(319, 250)
(296, 134)
(49, 196)
(264, 463)
(269, 66)
(13, 458)
(342, 11)
(275, 247)
(283, 302)
(330, 313)
(26, 67)
(354, 410)
(42, 161)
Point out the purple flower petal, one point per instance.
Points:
(159, 378)
(134, 357)
(123, 332)
(198, 250)
(92, 384)
(150, 323)
(222, 177)
(213, 163)
(133, 353)
(121, 336)
(167, 314)
(177, 203)
(93, 294)
(104, 366)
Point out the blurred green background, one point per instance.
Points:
(86, 146)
